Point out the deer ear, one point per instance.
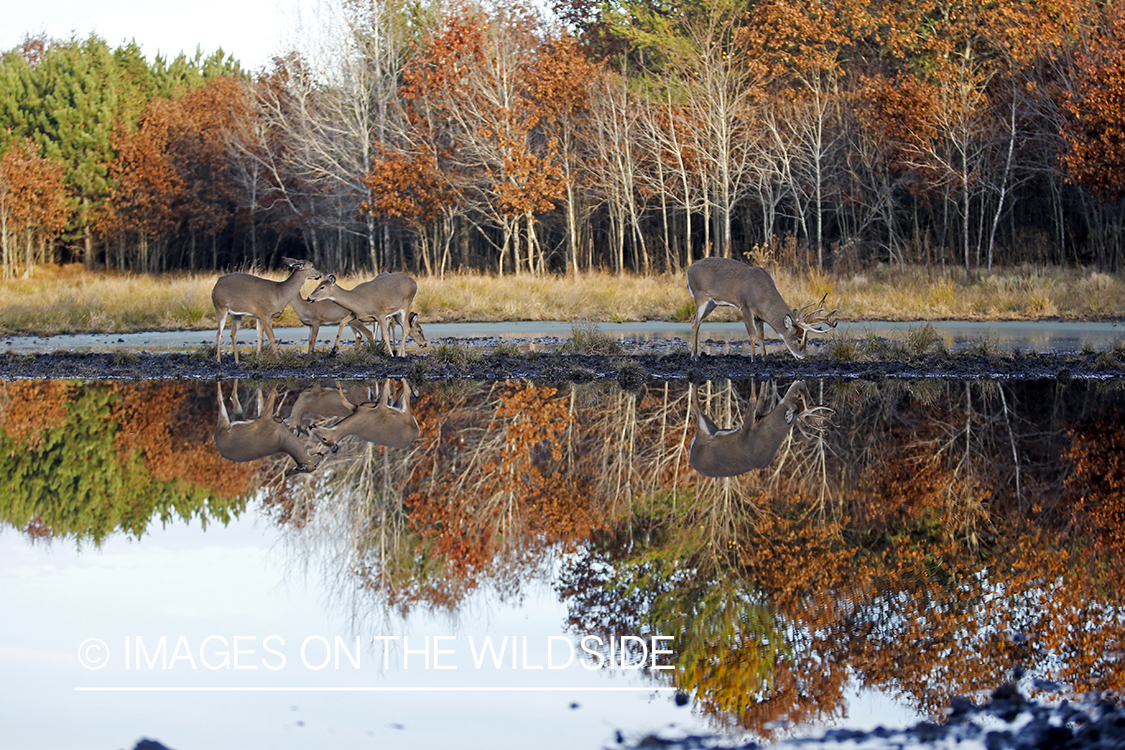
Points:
(789, 326)
(331, 279)
(413, 317)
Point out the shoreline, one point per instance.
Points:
(630, 370)
(1042, 336)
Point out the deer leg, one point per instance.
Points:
(758, 397)
(401, 316)
(359, 330)
(314, 329)
(751, 323)
(239, 412)
(264, 324)
(340, 331)
(701, 312)
(270, 406)
(224, 418)
(385, 326)
(219, 336)
(235, 324)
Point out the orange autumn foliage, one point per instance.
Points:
(170, 425)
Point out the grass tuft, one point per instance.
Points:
(878, 348)
(986, 348)
(843, 348)
(507, 349)
(455, 353)
(1108, 360)
(631, 374)
(203, 354)
(266, 359)
(923, 340)
(587, 338)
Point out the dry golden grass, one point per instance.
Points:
(69, 299)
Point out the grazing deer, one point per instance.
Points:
(327, 312)
(250, 439)
(238, 294)
(324, 402)
(723, 281)
(381, 422)
(386, 297)
(716, 452)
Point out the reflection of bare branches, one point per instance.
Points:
(848, 557)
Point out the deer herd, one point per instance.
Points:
(386, 300)
(369, 413)
(383, 301)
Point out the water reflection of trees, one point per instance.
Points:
(935, 534)
(84, 460)
(968, 527)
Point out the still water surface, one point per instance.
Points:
(481, 564)
(1057, 336)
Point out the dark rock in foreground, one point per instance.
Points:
(1008, 721)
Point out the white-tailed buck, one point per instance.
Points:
(382, 422)
(388, 296)
(238, 294)
(328, 313)
(250, 439)
(722, 281)
(716, 452)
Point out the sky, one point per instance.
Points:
(250, 30)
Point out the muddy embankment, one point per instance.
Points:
(631, 369)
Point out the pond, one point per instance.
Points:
(480, 564)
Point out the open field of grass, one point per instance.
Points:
(71, 300)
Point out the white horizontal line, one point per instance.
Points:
(367, 689)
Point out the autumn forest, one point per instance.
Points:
(627, 136)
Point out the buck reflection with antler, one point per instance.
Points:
(715, 282)
(753, 445)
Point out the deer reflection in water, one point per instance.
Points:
(754, 444)
(382, 422)
(244, 439)
(319, 401)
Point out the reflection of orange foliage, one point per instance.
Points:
(29, 408)
(535, 422)
(1097, 482)
(778, 555)
(169, 426)
(469, 501)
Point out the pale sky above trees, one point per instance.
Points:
(250, 30)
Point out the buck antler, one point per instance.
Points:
(814, 420)
(808, 319)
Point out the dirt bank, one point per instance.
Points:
(630, 369)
